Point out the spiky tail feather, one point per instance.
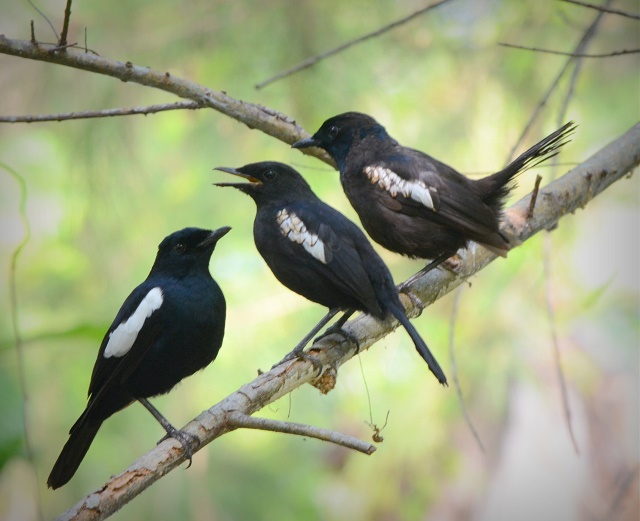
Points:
(495, 187)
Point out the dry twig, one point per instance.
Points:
(315, 59)
(106, 113)
(604, 9)
(573, 55)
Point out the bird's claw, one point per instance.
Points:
(417, 302)
(190, 442)
(338, 330)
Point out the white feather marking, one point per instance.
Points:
(316, 249)
(420, 193)
(281, 216)
(391, 182)
(294, 229)
(123, 337)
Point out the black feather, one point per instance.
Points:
(350, 276)
(461, 209)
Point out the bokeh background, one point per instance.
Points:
(101, 194)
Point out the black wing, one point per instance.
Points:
(324, 258)
(457, 200)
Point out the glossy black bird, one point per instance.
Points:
(168, 328)
(317, 252)
(413, 204)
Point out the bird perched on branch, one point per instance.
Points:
(168, 328)
(413, 204)
(320, 254)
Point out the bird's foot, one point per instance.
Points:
(299, 354)
(452, 264)
(190, 442)
(417, 302)
(339, 330)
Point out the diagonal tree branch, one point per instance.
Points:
(578, 49)
(269, 121)
(569, 193)
(373, 34)
(604, 9)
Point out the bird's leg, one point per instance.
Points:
(188, 441)
(298, 351)
(404, 287)
(337, 328)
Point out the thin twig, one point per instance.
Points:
(573, 55)
(65, 25)
(315, 59)
(604, 9)
(238, 419)
(534, 197)
(454, 369)
(564, 196)
(106, 113)
(15, 324)
(553, 327)
(579, 48)
(546, 253)
(627, 480)
(45, 17)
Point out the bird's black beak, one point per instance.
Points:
(305, 143)
(233, 171)
(214, 237)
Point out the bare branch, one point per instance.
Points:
(625, 483)
(47, 20)
(534, 197)
(553, 326)
(106, 113)
(579, 48)
(565, 195)
(454, 370)
(604, 9)
(65, 26)
(267, 120)
(315, 59)
(238, 419)
(573, 55)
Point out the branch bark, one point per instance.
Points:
(569, 193)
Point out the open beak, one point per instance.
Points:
(214, 237)
(305, 143)
(235, 172)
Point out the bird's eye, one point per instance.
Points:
(333, 132)
(180, 248)
(270, 175)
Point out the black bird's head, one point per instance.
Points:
(340, 133)
(187, 249)
(269, 181)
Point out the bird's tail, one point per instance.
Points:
(495, 187)
(397, 311)
(80, 437)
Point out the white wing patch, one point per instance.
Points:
(394, 184)
(292, 227)
(123, 337)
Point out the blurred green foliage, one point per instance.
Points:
(104, 192)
